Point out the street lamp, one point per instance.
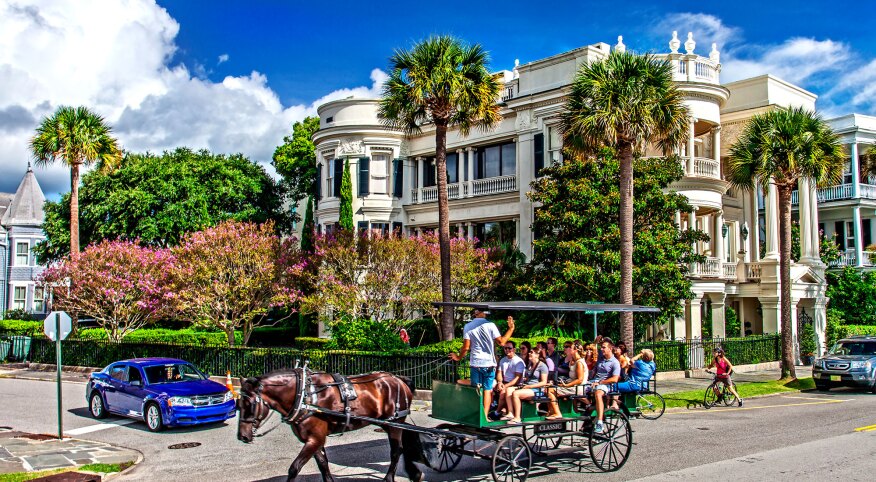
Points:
(724, 230)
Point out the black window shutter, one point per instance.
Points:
(364, 176)
(397, 177)
(865, 227)
(318, 182)
(339, 173)
(538, 141)
(840, 228)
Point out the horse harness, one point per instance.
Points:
(305, 388)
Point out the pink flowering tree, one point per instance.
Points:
(122, 285)
(230, 276)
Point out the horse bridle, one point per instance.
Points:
(258, 403)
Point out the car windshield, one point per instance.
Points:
(867, 348)
(172, 373)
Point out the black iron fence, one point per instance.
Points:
(693, 354)
(421, 367)
(245, 361)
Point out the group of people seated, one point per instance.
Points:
(582, 370)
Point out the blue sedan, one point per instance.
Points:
(164, 392)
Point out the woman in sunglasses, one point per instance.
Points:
(723, 370)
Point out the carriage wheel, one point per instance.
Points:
(611, 448)
(512, 459)
(650, 405)
(537, 443)
(441, 452)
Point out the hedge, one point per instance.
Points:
(19, 327)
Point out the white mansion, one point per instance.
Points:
(394, 182)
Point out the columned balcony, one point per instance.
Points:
(704, 167)
(459, 190)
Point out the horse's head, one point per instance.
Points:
(253, 409)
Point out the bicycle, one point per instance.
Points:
(650, 404)
(714, 396)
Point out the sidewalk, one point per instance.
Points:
(24, 452)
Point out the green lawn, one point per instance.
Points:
(99, 468)
(747, 389)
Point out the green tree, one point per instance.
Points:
(307, 231)
(626, 102)
(577, 238)
(445, 83)
(345, 210)
(853, 293)
(159, 198)
(76, 137)
(295, 161)
(781, 147)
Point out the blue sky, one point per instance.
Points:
(232, 76)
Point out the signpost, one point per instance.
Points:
(594, 313)
(57, 326)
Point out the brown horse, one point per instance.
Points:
(302, 398)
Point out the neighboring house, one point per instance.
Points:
(21, 219)
(394, 181)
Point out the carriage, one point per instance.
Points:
(511, 448)
(464, 429)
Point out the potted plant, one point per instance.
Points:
(807, 344)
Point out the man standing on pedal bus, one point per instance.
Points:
(479, 336)
(723, 370)
(608, 371)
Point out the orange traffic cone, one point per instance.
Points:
(228, 383)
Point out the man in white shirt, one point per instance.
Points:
(479, 336)
(511, 368)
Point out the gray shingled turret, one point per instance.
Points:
(26, 208)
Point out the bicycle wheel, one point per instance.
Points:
(710, 398)
(650, 405)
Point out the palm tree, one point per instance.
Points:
(783, 146)
(627, 102)
(77, 137)
(446, 83)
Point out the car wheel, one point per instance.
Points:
(153, 418)
(95, 405)
(822, 387)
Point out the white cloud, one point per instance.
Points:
(222, 59)
(796, 60)
(115, 58)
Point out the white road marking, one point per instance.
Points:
(100, 426)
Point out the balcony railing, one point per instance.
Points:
(692, 68)
(510, 90)
(710, 268)
(753, 271)
(459, 190)
(848, 258)
(839, 192)
(705, 167)
(729, 270)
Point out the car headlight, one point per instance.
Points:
(228, 396)
(819, 363)
(180, 402)
(857, 365)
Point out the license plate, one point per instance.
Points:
(836, 378)
(550, 427)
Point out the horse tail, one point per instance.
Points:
(412, 449)
(409, 382)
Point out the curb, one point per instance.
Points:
(140, 459)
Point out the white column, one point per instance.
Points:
(859, 240)
(690, 148)
(819, 322)
(719, 246)
(772, 222)
(679, 324)
(718, 320)
(795, 336)
(470, 230)
(754, 227)
(716, 146)
(815, 242)
(770, 309)
(420, 172)
(471, 162)
(692, 224)
(460, 162)
(678, 219)
(804, 210)
(856, 175)
(695, 322)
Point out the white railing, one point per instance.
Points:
(704, 71)
(834, 193)
(753, 271)
(459, 190)
(704, 167)
(729, 270)
(867, 191)
(711, 267)
(493, 185)
(848, 258)
(510, 90)
(692, 68)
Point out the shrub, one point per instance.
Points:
(853, 293)
(835, 327)
(808, 343)
(21, 327)
(18, 314)
(311, 343)
(851, 330)
(164, 335)
(364, 334)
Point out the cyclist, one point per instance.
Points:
(723, 370)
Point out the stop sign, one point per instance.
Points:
(50, 324)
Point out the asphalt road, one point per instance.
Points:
(808, 435)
